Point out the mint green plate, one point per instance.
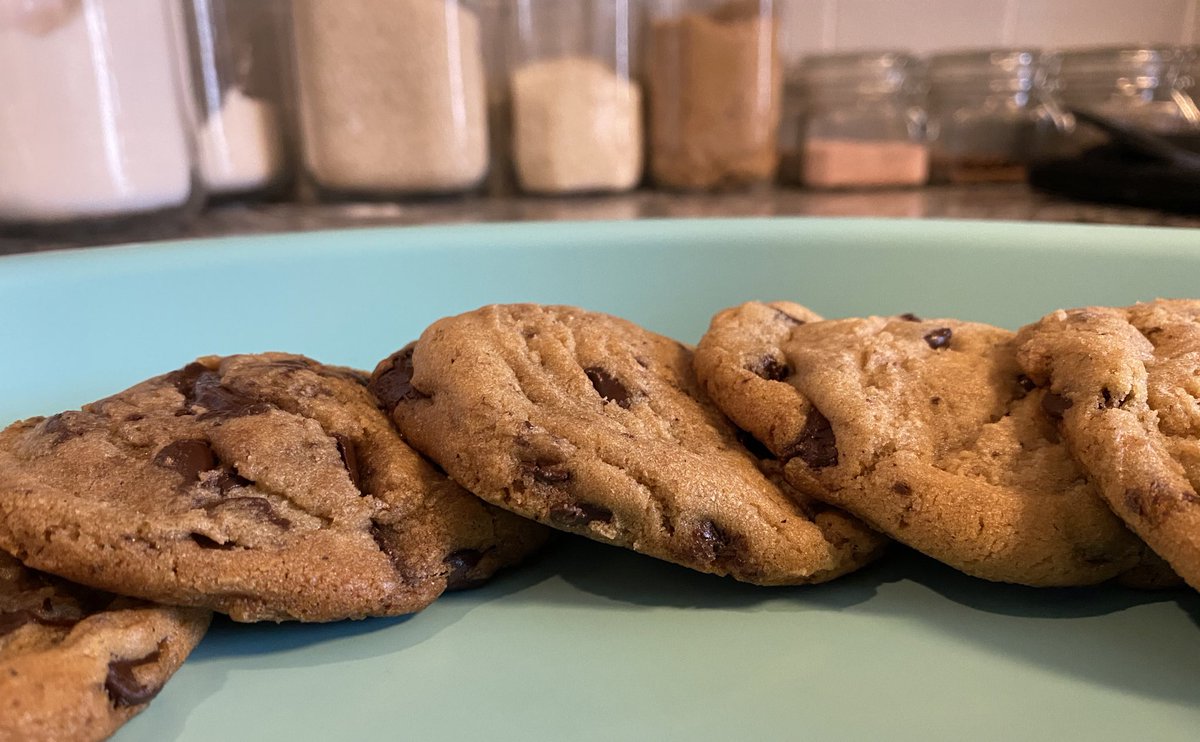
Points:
(591, 642)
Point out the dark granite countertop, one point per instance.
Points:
(1005, 202)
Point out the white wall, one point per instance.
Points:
(925, 26)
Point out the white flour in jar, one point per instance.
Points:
(392, 95)
(240, 144)
(577, 126)
(91, 119)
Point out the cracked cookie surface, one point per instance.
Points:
(76, 663)
(593, 425)
(268, 487)
(1125, 385)
(926, 430)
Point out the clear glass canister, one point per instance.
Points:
(855, 121)
(1148, 88)
(238, 66)
(575, 107)
(94, 116)
(715, 84)
(392, 96)
(985, 112)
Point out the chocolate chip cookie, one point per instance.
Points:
(77, 664)
(1124, 385)
(593, 425)
(263, 486)
(927, 430)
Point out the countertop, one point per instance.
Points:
(1004, 202)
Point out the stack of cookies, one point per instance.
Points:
(785, 449)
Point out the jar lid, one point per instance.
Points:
(997, 70)
(1140, 67)
(867, 73)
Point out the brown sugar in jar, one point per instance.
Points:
(715, 85)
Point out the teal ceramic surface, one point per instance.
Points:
(591, 642)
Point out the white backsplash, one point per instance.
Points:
(925, 26)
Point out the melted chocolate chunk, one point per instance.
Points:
(60, 426)
(393, 384)
(188, 458)
(710, 542)
(122, 685)
(910, 317)
(939, 338)
(816, 445)
(902, 488)
(1055, 405)
(332, 372)
(578, 514)
(349, 455)
(201, 387)
(608, 387)
(786, 318)
(1156, 503)
(771, 369)
(1025, 383)
(227, 480)
(461, 563)
(381, 540)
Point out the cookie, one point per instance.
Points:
(593, 425)
(77, 664)
(926, 430)
(1124, 385)
(268, 487)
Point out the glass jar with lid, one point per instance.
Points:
(238, 66)
(392, 96)
(986, 109)
(855, 121)
(96, 122)
(1148, 88)
(715, 87)
(574, 104)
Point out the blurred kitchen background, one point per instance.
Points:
(132, 120)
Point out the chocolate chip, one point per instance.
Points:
(349, 455)
(902, 489)
(910, 317)
(10, 622)
(1155, 504)
(226, 480)
(607, 386)
(461, 563)
(256, 507)
(939, 338)
(578, 514)
(188, 458)
(392, 381)
(549, 473)
(1055, 405)
(122, 684)
(1025, 383)
(134, 417)
(816, 445)
(786, 318)
(710, 543)
(771, 369)
(201, 387)
(60, 426)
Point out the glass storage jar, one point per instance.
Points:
(985, 111)
(715, 85)
(855, 121)
(95, 119)
(1148, 88)
(391, 96)
(238, 66)
(575, 108)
